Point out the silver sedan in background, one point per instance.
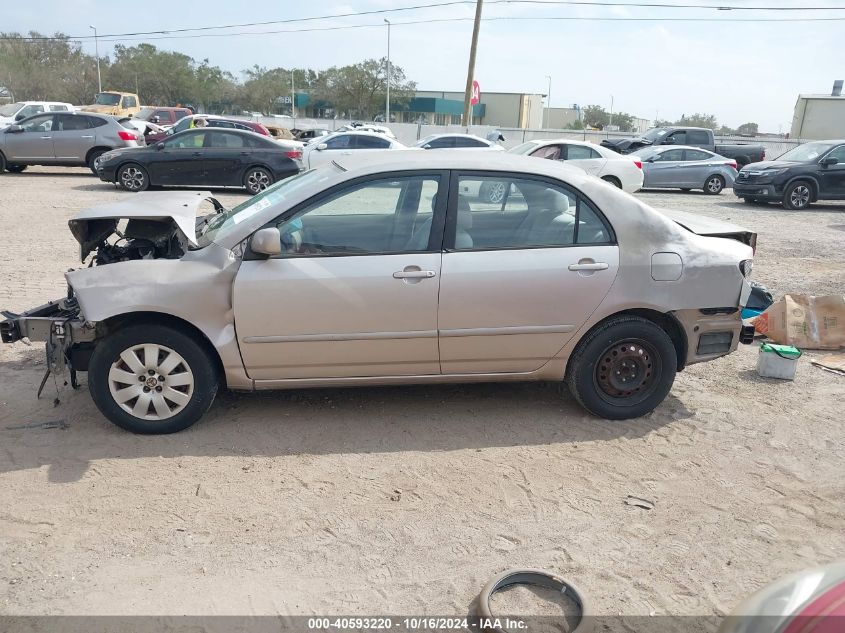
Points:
(683, 167)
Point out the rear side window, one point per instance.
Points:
(371, 142)
(444, 142)
(698, 137)
(58, 108)
(96, 121)
(130, 102)
(694, 154)
(461, 141)
(69, 122)
(579, 152)
(226, 140)
(552, 152)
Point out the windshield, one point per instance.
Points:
(425, 140)
(219, 226)
(10, 109)
(806, 152)
(655, 133)
(524, 148)
(107, 99)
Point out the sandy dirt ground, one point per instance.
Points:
(407, 500)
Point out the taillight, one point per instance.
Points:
(639, 164)
(294, 153)
(733, 164)
(127, 136)
(763, 155)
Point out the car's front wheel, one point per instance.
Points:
(257, 179)
(798, 196)
(133, 177)
(714, 185)
(92, 159)
(152, 379)
(623, 369)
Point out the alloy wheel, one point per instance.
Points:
(132, 178)
(257, 180)
(627, 372)
(800, 196)
(714, 185)
(151, 382)
(496, 192)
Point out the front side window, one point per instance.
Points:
(39, 124)
(530, 214)
(30, 110)
(580, 152)
(192, 140)
(129, 102)
(378, 216)
(838, 153)
(677, 138)
(339, 142)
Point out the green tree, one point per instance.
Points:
(596, 116)
(748, 128)
(725, 131)
(358, 90)
(662, 123)
(699, 120)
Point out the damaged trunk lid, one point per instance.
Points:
(711, 227)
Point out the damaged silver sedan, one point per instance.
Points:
(387, 273)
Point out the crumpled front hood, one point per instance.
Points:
(95, 224)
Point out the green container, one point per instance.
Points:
(778, 361)
(784, 351)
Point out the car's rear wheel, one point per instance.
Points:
(623, 369)
(92, 158)
(2, 163)
(492, 192)
(613, 180)
(714, 184)
(798, 196)
(257, 179)
(15, 169)
(152, 379)
(133, 177)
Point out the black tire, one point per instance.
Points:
(492, 192)
(613, 180)
(133, 177)
(686, 189)
(798, 195)
(257, 179)
(15, 169)
(650, 366)
(93, 156)
(183, 410)
(2, 163)
(752, 200)
(714, 184)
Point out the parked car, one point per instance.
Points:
(803, 175)
(18, 111)
(188, 122)
(700, 137)
(621, 171)
(457, 141)
(329, 148)
(370, 272)
(63, 138)
(307, 135)
(162, 116)
(686, 168)
(367, 127)
(206, 157)
(114, 103)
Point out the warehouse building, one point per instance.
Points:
(503, 109)
(820, 116)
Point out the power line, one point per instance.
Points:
(167, 33)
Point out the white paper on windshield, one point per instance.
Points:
(246, 214)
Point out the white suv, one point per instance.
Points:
(14, 112)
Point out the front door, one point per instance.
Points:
(34, 141)
(180, 162)
(72, 137)
(832, 177)
(664, 170)
(519, 278)
(354, 292)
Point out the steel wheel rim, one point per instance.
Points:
(714, 184)
(800, 196)
(258, 181)
(497, 192)
(151, 382)
(132, 178)
(627, 372)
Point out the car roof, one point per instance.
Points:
(363, 133)
(663, 148)
(457, 134)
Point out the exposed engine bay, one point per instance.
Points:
(140, 239)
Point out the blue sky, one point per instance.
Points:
(742, 71)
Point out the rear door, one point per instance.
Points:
(354, 292)
(697, 165)
(73, 137)
(519, 278)
(33, 142)
(585, 157)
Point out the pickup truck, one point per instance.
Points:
(690, 136)
(114, 103)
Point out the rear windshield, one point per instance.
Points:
(10, 109)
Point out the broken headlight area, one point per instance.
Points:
(112, 240)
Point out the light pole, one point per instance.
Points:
(549, 102)
(97, 53)
(611, 111)
(387, 79)
(292, 100)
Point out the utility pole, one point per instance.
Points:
(387, 101)
(97, 53)
(292, 100)
(611, 111)
(471, 69)
(549, 103)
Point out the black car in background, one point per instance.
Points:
(807, 173)
(207, 157)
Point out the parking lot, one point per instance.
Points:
(408, 499)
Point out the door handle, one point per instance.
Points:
(86, 137)
(415, 274)
(589, 266)
(46, 138)
(197, 154)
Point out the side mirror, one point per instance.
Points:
(669, 141)
(14, 129)
(159, 146)
(155, 119)
(427, 146)
(20, 117)
(266, 242)
(827, 162)
(651, 159)
(322, 146)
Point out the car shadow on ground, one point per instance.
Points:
(817, 207)
(691, 192)
(74, 173)
(70, 436)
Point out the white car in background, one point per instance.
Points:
(367, 127)
(623, 171)
(346, 143)
(457, 141)
(18, 111)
